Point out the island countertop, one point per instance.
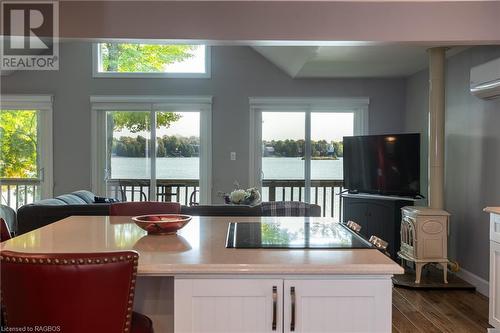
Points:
(198, 248)
(494, 210)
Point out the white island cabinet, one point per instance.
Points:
(304, 304)
(494, 306)
(228, 305)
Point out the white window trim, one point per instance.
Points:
(44, 104)
(100, 104)
(157, 75)
(357, 105)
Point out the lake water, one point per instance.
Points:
(188, 168)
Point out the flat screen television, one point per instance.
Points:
(382, 164)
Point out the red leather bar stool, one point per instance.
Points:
(134, 208)
(72, 292)
(4, 230)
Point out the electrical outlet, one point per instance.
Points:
(233, 156)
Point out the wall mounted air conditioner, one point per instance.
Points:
(485, 80)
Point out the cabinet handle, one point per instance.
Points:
(292, 297)
(275, 305)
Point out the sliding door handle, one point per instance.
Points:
(292, 314)
(275, 307)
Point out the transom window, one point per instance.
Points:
(116, 59)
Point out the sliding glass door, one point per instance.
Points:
(128, 155)
(327, 130)
(178, 157)
(283, 156)
(298, 150)
(152, 151)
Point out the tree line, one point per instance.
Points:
(179, 146)
(296, 148)
(167, 146)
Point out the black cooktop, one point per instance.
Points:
(293, 235)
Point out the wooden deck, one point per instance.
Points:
(430, 311)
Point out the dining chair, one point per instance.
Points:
(134, 208)
(4, 231)
(72, 292)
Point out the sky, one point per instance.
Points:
(290, 125)
(188, 125)
(195, 64)
(275, 126)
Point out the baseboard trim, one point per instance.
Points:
(482, 286)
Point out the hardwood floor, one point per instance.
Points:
(429, 311)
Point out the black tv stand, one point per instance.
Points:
(378, 215)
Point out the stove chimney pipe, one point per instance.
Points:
(437, 58)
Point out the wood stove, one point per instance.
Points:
(424, 238)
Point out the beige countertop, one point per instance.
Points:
(494, 210)
(198, 248)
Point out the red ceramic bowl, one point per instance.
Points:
(161, 224)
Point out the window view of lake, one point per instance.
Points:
(283, 156)
(189, 168)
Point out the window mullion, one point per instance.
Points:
(39, 165)
(152, 154)
(307, 156)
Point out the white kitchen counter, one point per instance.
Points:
(493, 210)
(198, 248)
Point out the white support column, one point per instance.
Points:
(437, 58)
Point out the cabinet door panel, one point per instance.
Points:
(375, 217)
(350, 305)
(495, 227)
(494, 307)
(227, 305)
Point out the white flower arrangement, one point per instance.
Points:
(250, 196)
(237, 196)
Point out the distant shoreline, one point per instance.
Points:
(323, 158)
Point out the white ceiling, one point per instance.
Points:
(348, 61)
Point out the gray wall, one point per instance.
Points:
(416, 119)
(238, 72)
(472, 154)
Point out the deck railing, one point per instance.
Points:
(15, 192)
(18, 192)
(323, 192)
(167, 190)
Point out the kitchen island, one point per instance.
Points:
(191, 282)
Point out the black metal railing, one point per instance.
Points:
(167, 190)
(323, 192)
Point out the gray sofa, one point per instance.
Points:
(44, 212)
(10, 217)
